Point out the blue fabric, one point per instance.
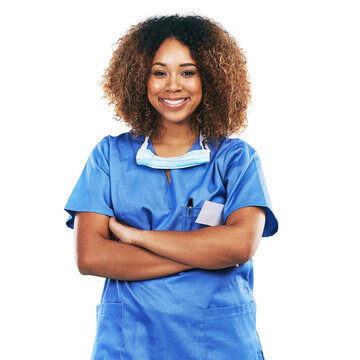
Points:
(92, 191)
(195, 314)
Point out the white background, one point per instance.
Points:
(303, 60)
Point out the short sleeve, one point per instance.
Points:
(245, 185)
(92, 190)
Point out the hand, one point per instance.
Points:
(125, 233)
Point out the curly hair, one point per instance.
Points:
(222, 68)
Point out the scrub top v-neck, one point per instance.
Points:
(194, 314)
(168, 171)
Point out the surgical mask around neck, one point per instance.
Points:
(146, 157)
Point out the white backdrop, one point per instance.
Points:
(303, 60)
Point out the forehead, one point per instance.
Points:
(172, 51)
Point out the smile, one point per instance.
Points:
(174, 103)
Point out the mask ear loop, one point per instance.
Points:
(202, 144)
(145, 143)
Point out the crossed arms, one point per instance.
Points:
(148, 254)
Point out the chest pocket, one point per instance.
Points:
(188, 218)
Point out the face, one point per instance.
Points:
(174, 86)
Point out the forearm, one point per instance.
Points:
(211, 248)
(121, 261)
(214, 247)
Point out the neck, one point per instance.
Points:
(175, 135)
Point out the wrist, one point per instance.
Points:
(140, 238)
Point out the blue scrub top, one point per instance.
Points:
(194, 314)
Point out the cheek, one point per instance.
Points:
(196, 88)
(153, 87)
(199, 94)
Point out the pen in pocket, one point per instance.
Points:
(190, 205)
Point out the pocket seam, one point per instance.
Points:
(225, 311)
(194, 212)
(110, 308)
(185, 220)
(237, 317)
(107, 312)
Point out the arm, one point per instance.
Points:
(97, 254)
(211, 248)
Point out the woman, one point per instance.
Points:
(187, 204)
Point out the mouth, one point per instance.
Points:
(174, 103)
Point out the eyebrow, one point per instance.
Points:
(181, 65)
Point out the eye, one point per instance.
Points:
(159, 73)
(188, 73)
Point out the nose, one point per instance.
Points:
(173, 84)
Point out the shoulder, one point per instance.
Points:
(230, 149)
(237, 144)
(125, 139)
(119, 148)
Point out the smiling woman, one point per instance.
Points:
(186, 205)
(221, 65)
(174, 86)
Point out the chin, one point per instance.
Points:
(179, 121)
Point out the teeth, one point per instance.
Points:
(174, 102)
